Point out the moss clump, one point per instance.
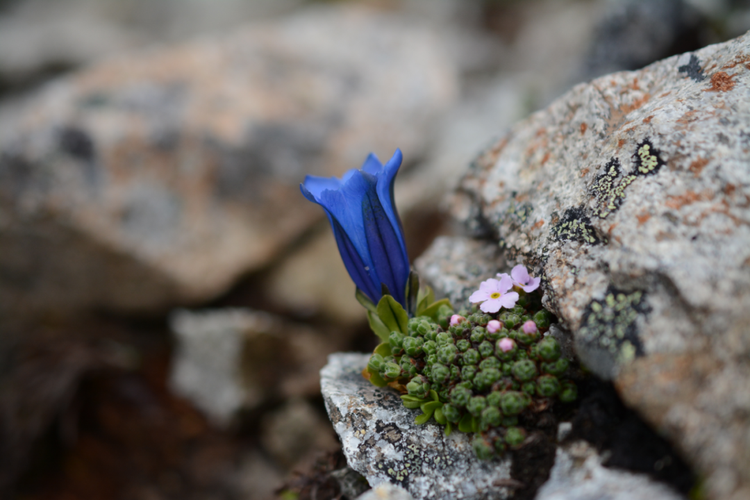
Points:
(475, 375)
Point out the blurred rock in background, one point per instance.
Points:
(150, 156)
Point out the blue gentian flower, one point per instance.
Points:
(368, 231)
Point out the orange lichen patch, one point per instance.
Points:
(541, 132)
(634, 84)
(584, 172)
(687, 117)
(721, 82)
(617, 115)
(729, 189)
(612, 228)
(620, 143)
(584, 127)
(642, 218)
(489, 158)
(648, 119)
(696, 167)
(684, 199)
(665, 94)
(538, 224)
(545, 158)
(736, 61)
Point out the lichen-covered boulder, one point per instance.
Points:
(158, 178)
(631, 196)
(382, 442)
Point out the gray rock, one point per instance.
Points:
(386, 491)
(456, 266)
(294, 432)
(227, 360)
(158, 178)
(578, 474)
(634, 33)
(630, 196)
(351, 483)
(381, 441)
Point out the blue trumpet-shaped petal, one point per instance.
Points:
(368, 231)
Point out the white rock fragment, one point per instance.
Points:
(381, 441)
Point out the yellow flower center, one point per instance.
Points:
(495, 295)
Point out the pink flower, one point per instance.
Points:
(494, 325)
(456, 319)
(505, 344)
(522, 279)
(494, 294)
(529, 327)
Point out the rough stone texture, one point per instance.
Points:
(381, 441)
(578, 474)
(158, 178)
(386, 491)
(232, 359)
(456, 266)
(631, 196)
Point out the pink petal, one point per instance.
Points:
(533, 285)
(491, 306)
(520, 274)
(456, 319)
(508, 300)
(489, 286)
(479, 296)
(494, 325)
(505, 284)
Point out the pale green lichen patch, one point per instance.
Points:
(610, 185)
(609, 188)
(610, 323)
(575, 225)
(647, 159)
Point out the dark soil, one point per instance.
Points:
(603, 420)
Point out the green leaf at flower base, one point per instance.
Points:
(411, 293)
(392, 315)
(383, 349)
(412, 402)
(374, 377)
(364, 300)
(425, 297)
(377, 326)
(423, 418)
(466, 424)
(431, 406)
(434, 395)
(439, 417)
(432, 309)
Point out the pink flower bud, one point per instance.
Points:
(456, 319)
(505, 344)
(529, 327)
(494, 325)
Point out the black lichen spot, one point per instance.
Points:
(389, 432)
(693, 69)
(609, 188)
(77, 143)
(610, 185)
(610, 323)
(575, 225)
(519, 214)
(647, 159)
